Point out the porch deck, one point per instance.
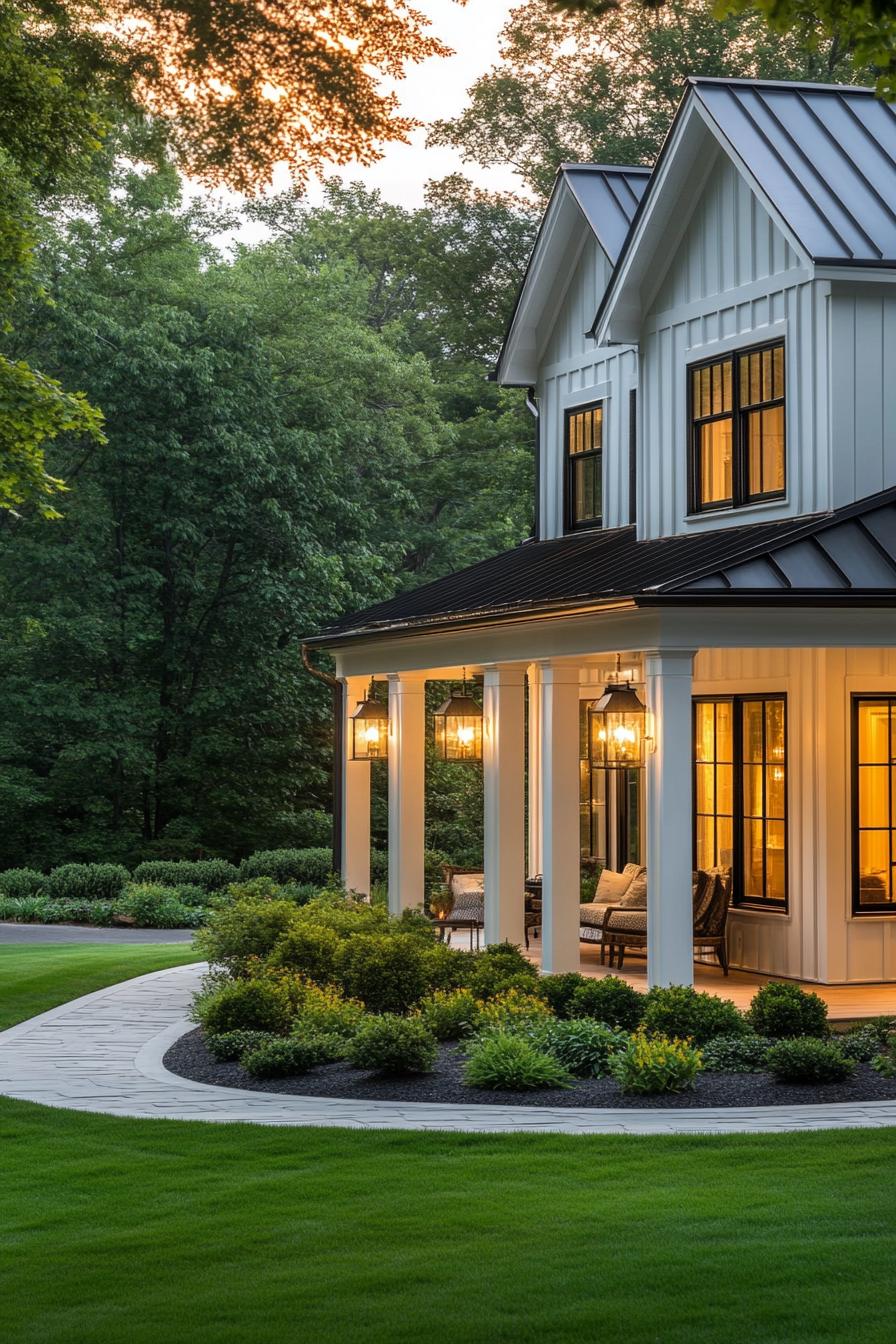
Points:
(845, 1002)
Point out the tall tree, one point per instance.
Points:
(603, 87)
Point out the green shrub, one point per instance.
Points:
(609, 1000)
(885, 1064)
(653, 1064)
(153, 907)
(498, 968)
(736, 1054)
(248, 929)
(332, 908)
(557, 990)
(27, 909)
(447, 967)
(98, 913)
(449, 1014)
(391, 1044)
(581, 1045)
(244, 1005)
(19, 882)
(189, 894)
(379, 866)
(781, 1009)
(209, 874)
(680, 1011)
(310, 950)
(282, 1058)
(806, 1059)
(512, 1006)
(388, 973)
(232, 1045)
(324, 1011)
(508, 1062)
(311, 828)
(861, 1044)
(290, 865)
(87, 882)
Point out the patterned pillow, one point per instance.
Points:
(612, 887)
(463, 882)
(636, 896)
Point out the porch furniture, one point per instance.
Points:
(466, 887)
(451, 925)
(625, 928)
(532, 908)
(627, 889)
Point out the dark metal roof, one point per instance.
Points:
(824, 155)
(850, 553)
(608, 198)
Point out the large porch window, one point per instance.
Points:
(740, 794)
(874, 803)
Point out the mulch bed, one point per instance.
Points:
(189, 1058)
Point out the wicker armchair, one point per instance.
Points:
(626, 928)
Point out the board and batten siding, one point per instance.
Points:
(818, 938)
(574, 370)
(863, 390)
(733, 281)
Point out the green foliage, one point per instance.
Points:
(388, 973)
(736, 1054)
(310, 950)
(781, 1009)
(582, 1046)
(679, 1010)
(311, 828)
(806, 1059)
(248, 929)
(557, 990)
(230, 1046)
(323, 1010)
(508, 1062)
(449, 1014)
(609, 1000)
(885, 1063)
(244, 1005)
(392, 1044)
(282, 1059)
(42, 910)
(209, 874)
(861, 1043)
(653, 1064)
(512, 1006)
(290, 865)
(152, 906)
(22, 882)
(87, 882)
(501, 967)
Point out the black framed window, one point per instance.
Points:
(874, 804)
(584, 435)
(738, 449)
(740, 794)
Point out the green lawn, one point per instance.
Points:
(38, 976)
(160, 1231)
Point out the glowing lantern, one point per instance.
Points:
(617, 728)
(457, 727)
(370, 730)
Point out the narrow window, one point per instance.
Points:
(584, 466)
(737, 429)
(633, 457)
(740, 794)
(874, 803)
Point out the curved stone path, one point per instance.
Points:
(103, 1053)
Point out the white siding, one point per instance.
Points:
(574, 370)
(734, 280)
(863, 391)
(818, 938)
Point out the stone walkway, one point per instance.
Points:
(83, 933)
(103, 1053)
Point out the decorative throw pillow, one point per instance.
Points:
(463, 882)
(612, 886)
(636, 896)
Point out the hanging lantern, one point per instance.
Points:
(370, 730)
(617, 727)
(457, 727)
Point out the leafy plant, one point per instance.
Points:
(501, 967)
(17, 882)
(282, 1058)
(324, 1011)
(388, 973)
(861, 1044)
(511, 1006)
(87, 882)
(290, 865)
(390, 1044)
(885, 1064)
(609, 1000)
(557, 990)
(509, 1062)
(309, 949)
(680, 1011)
(582, 1046)
(244, 1005)
(246, 929)
(781, 1009)
(209, 874)
(232, 1045)
(806, 1059)
(736, 1054)
(156, 907)
(27, 909)
(654, 1064)
(450, 1013)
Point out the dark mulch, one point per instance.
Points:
(189, 1058)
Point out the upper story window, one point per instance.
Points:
(737, 429)
(584, 465)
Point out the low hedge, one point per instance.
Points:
(18, 882)
(781, 1009)
(683, 1012)
(209, 874)
(86, 882)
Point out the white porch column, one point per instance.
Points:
(560, 815)
(407, 728)
(535, 848)
(670, 943)
(355, 799)
(503, 771)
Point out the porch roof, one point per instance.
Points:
(848, 555)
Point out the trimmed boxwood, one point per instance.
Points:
(610, 1000)
(388, 973)
(290, 865)
(781, 1009)
(391, 1044)
(19, 882)
(209, 874)
(680, 1011)
(245, 1005)
(282, 1058)
(86, 882)
(806, 1059)
(557, 990)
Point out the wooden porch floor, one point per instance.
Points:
(844, 1001)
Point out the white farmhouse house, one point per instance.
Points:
(710, 349)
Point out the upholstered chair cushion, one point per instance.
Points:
(468, 892)
(636, 896)
(611, 887)
(627, 921)
(591, 913)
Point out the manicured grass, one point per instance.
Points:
(151, 1231)
(38, 976)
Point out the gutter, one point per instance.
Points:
(337, 690)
